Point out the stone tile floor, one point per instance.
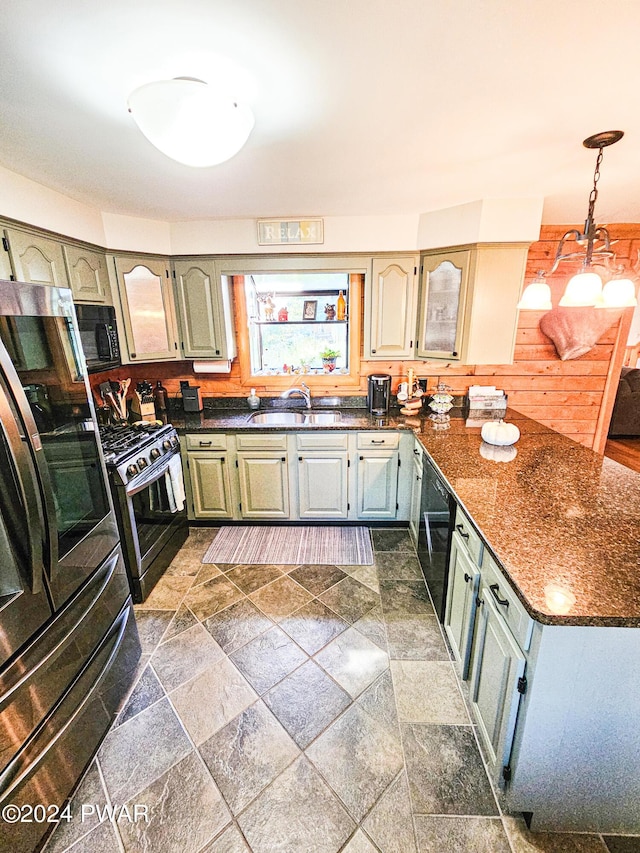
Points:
(298, 709)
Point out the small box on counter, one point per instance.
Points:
(484, 403)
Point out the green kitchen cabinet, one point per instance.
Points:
(36, 258)
(443, 294)
(464, 291)
(203, 304)
(322, 484)
(377, 484)
(464, 577)
(264, 484)
(390, 308)
(210, 484)
(148, 310)
(208, 465)
(88, 275)
(416, 493)
(496, 685)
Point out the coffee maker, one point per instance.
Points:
(379, 393)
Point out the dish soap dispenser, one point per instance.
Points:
(253, 400)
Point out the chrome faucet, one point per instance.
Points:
(303, 391)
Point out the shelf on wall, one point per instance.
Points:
(300, 322)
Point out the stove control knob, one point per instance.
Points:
(155, 453)
(166, 444)
(174, 440)
(142, 463)
(132, 470)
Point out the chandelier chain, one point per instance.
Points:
(593, 195)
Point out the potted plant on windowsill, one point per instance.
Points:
(329, 357)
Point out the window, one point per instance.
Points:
(274, 352)
(298, 322)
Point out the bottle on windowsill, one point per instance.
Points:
(341, 307)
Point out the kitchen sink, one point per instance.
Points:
(277, 418)
(322, 417)
(294, 418)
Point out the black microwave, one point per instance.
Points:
(99, 336)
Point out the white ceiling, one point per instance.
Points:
(363, 107)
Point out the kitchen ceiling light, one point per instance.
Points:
(191, 122)
(537, 295)
(585, 288)
(618, 293)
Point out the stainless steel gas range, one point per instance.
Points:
(143, 463)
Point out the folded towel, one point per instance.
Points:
(175, 484)
(173, 507)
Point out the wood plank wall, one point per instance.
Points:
(573, 397)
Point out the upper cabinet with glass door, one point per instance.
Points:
(148, 312)
(443, 295)
(469, 302)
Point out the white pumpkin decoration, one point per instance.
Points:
(500, 433)
(498, 453)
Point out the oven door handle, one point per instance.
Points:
(152, 475)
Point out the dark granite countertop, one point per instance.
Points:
(563, 521)
(354, 415)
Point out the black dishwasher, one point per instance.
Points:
(437, 511)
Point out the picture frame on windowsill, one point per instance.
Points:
(310, 309)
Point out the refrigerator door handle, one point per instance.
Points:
(30, 497)
(32, 438)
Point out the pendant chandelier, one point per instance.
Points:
(593, 247)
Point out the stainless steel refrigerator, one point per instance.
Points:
(68, 641)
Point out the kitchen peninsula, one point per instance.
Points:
(559, 528)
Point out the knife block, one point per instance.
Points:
(142, 405)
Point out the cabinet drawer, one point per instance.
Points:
(468, 533)
(378, 439)
(508, 604)
(206, 441)
(261, 441)
(321, 441)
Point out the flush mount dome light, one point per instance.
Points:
(191, 122)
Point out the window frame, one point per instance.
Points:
(357, 270)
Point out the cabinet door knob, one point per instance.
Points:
(373, 350)
(495, 589)
(479, 601)
(467, 577)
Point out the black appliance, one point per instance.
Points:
(68, 640)
(437, 511)
(99, 335)
(143, 464)
(378, 393)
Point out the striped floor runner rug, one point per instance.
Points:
(341, 546)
